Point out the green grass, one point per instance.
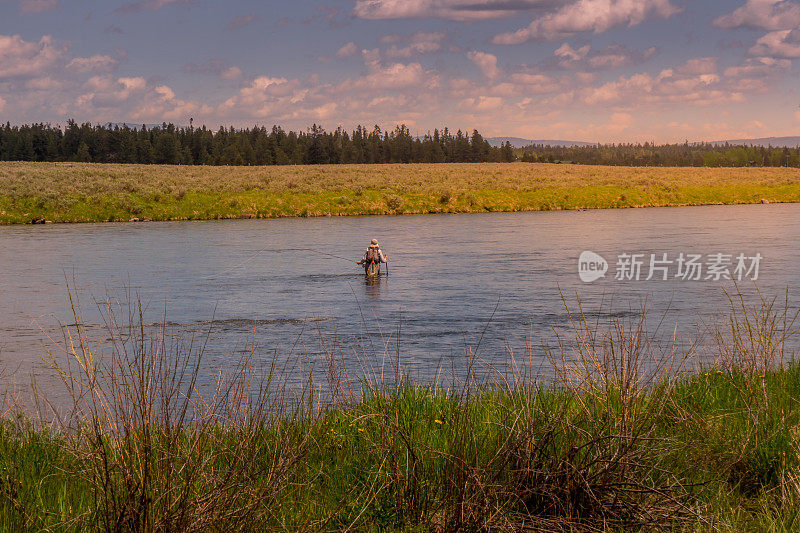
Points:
(730, 440)
(74, 192)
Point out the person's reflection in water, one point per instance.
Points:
(373, 285)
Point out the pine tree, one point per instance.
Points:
(82, 155)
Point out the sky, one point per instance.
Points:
(584, 70)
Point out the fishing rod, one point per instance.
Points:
(331, 255)
(259, 252)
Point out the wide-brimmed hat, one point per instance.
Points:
(374, 242)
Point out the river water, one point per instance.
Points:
(487, 283)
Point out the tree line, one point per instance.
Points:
(672, 155)
(169, 144)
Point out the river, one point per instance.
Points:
(487, 283)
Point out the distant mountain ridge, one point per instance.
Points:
(775, 142)
(518, 142)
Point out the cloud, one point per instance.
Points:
(165, 92)
(481, 104)
(535, 83)
(106, 92)
(264, 86)
(596, 16)
(332, 15)
(486, 62)
(20, 58)
(263, 97)
(417, 44)
(586, 58)
(758, 67)
(698, 66)
(161, 103)
(95, 63)
(762, 15)
(215, 67)
(391, 77)
(782, 44)
(569, 54)
(695, 82)
(460, 10)
(242, 21)
(348, 50)
(151, 5)
(37, 6)
(106, 98)
(233, 73)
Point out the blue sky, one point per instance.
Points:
(594, 70)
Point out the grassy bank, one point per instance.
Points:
(719, 452)
(621, 440)
(75, 192)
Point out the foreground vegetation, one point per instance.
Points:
(622, 439)
(80, 192)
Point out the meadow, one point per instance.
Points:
(84, 192)
(626, 438)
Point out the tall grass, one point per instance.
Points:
(622, 439)
(157, 454)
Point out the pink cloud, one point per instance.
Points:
(762, 15)
(535, 83)
(95, 63)
(215, 67)
(486, 62)
(761, 67)
(461, 10)
(782, 44)
(101, 92)
(242, 21)
(608, 58)
(348, 50)
(391, 77)
(151, 5)
(693, 83)
(264, 96)
(583, 16)
(20, 58)
(417, 44)
(37, 6)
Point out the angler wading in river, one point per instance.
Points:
(372, 259)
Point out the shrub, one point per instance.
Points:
(393, 201)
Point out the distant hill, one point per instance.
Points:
(790, 142)
(518, 142)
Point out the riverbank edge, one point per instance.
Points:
(724, 452)
(259, 204)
